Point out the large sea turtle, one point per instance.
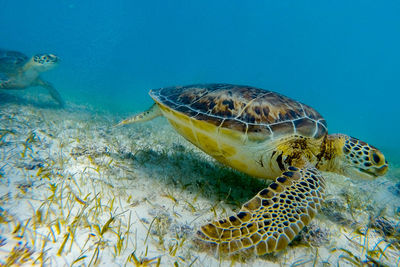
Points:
(266, 135)
(17, 71)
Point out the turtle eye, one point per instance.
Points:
(376, 158)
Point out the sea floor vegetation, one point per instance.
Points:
(77, 191)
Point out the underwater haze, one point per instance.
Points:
(340, 57)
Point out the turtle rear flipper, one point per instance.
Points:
(153, 112)
(270, 220)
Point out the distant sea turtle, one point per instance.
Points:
(17, 71)
(266, 135)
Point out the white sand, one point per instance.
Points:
(73, 189)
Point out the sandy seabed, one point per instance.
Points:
(74, 190)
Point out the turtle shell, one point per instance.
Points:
(11, 61)
(258, 113)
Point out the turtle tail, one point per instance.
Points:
(153, 112)
(271, 220)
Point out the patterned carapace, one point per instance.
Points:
(243, 108)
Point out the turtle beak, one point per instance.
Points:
(373, 173)
(382, 170)
(54, 58)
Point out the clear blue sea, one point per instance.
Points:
(340, 57)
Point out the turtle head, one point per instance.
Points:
(44, 62)
(355, 158)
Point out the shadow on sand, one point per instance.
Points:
(186, 170)
(13, 97)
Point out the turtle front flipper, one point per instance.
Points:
(153, 112)
(270, 220)
(52, 91)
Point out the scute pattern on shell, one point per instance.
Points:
(243, 108)
(11, 61)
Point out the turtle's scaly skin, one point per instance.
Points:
(270, 220)
(268, 135)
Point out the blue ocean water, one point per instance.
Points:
(341, 57)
